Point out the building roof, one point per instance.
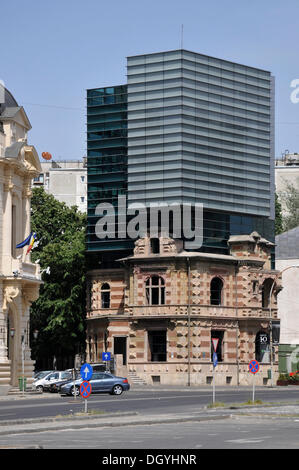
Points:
(10, 112)
(254, 237)
(6, 99)
(287, 244)
(182, 254)
(9, 108)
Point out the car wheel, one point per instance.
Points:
(40, 388)
(77, 391)
(117, 390)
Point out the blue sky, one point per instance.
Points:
(51, 52)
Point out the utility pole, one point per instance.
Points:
(23, 362)
(189, 326)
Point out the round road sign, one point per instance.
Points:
(253, 367)
(85, 389)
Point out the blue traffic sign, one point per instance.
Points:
(106, 356)
(215, 359)
(253, 367)
(86, 371)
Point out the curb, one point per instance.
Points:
(54, 419)
(137, 422)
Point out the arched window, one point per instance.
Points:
(105, 296)
(216, 291)
(155, 290)
(267, 284)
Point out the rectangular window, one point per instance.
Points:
(120, 347)
(218, 335)
(157, 345)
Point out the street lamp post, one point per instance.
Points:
(23, 361)
(270, 313)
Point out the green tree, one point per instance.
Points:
(278, 216)
(59, 312)
(290, 200)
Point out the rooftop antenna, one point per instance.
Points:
(182, 36)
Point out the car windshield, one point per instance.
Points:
(40, 375)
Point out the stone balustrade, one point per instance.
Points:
(182, 310)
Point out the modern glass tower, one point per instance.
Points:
(186, 128)
(107, 161)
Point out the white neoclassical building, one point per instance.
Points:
(19, 278)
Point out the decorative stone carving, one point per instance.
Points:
(10, 294)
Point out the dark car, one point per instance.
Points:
(57, 376)
(55, 387)
(101, 382)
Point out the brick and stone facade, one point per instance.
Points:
(164, 309)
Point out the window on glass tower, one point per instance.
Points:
(155, 290)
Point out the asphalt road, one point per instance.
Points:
(142, 401)
(232, 433)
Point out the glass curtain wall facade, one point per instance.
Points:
(201, 129)
(106, 160)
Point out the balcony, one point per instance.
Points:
(30, 271)
(146, 311)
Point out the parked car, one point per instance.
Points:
(41, 374)
(44, 383)
(101, 382)
(55, 386)
(101, 367)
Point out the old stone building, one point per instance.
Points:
(19, 278)
(162, 309)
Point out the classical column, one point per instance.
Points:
(3, 329)
(26, 226)
(27, 193)
(7, 224)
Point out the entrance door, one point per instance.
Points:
(120, 347)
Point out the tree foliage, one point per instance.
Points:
(290, 202)
(59, 312)
(278, 216)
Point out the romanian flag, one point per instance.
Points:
(28, 241)
(32, 240)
